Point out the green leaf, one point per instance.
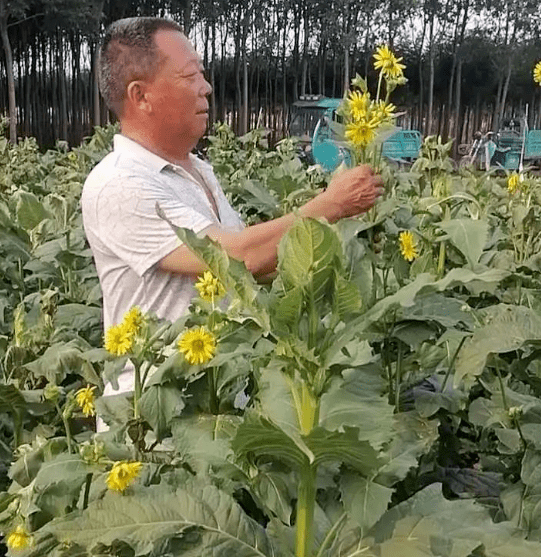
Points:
(509, 328)
(286, 312)
(59, 360)
(413, 436)
(206, 518)
(205, 441)
(276, 400)
(365, 500)
(468, 235)
(307, 257)
(346, 297)
(274, 489)
(258, 438)
(159, 404)
(29, 210)
(344, 447)
(423, 284)
(68, 468)
(357, 400)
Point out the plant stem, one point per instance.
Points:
(502, 387)
(137, 392)
(214, 403)
(65, 421)
(441, 259)
(398, 376)
(87, 490)
(306, 499)
(331, 534)
(452, 363)
(305, 512)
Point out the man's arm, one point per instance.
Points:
(350, 193)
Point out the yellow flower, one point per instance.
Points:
(385, 111)
(407, 246)
(122, 475)
(133, 320)
(513, 183)
(360, 133)
(537, 73)
(118, 339)
(388, 63)
(358, 104)
(85, 399)
(209, 287)
(19, 539)
(198, 345)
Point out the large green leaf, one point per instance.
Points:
(58, 360)
(159, 405)
(468, 235)
(413, 436)
(29, 210)
(308, 255)
(335, 446)
(205, 441)
(423, 284)
(276, 400)
(509, 328)
(207, 519)
(357, 400)
(257, 437)
(365, 500)
(428, 525)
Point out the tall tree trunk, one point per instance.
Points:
(12, 106)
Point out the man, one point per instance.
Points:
(152, 78)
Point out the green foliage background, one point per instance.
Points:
(404, 397)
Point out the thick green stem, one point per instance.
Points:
(309, 418)
(305, 512)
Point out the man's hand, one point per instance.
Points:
(353, 191)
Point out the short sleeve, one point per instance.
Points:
(130, 226)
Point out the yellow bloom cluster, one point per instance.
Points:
(537, 73)
(364, 116)
(19, 539)
(408, 248)
(85, 399)
(388, 63)
(513, 183)
(122, 475)
(198, 346)
(209, 287)
(119, 338)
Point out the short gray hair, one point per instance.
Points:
(128, 52)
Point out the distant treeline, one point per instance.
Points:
(469, 62)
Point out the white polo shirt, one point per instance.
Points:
(128, 238)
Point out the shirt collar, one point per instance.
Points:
(123, 144)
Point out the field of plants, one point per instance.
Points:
(381, 397)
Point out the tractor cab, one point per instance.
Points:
(312, 122)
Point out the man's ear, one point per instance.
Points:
(136, 95)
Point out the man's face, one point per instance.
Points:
(179, 91)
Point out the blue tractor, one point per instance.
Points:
(312, 122)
